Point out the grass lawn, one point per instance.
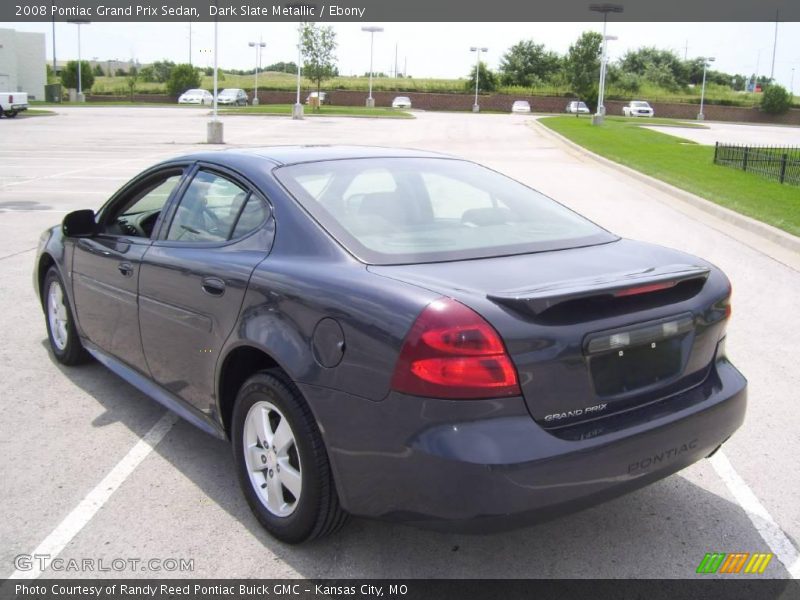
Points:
(686, 165)
(325, 111)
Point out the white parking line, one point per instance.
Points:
(766, 526)
(63, 534)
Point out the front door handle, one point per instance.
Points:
(125, 268)
(213, 286)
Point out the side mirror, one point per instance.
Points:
(79, 223)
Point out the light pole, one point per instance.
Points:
(478, 49)
(791, 85)
(258, 46)
(297, 109)
(706, 60)
(52, 4)
(372, 29)
(214, 130)
(597, 119)
(79, 22)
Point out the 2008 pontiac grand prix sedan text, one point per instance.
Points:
(396, 334)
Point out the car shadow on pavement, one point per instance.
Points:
(660, 531)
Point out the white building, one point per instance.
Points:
(22, 63)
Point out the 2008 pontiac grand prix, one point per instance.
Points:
(396, 334)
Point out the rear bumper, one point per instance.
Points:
(486, 465)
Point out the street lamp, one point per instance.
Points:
(258, 46)
(79, 22)
(214, 128)
(706, 60)
(478, 49)
(302, 8)
(605, 9)
(372, 29)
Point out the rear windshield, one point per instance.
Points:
(411, 210)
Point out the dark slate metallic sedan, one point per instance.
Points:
(396, 334)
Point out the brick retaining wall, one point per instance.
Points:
(501, 102)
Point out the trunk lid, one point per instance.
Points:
(594, 330)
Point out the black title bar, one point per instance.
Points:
(403, 11)
(734, 588)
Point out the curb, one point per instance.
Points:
(773, 234)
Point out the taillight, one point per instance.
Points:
(10, 99)
(452, 352)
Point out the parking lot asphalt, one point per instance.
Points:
(737, 133)
(67, 430)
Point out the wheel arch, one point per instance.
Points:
(45, 262)
(237, 365)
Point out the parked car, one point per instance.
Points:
(232, 96)
(13, 103)
(637, 108)
(196, 97)
(323, 98)
(576, 107)
(521, 106)
(401, 102)
(382, 332)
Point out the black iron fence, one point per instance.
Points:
(781, 164)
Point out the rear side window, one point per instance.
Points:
(406, 210)
(215, 209)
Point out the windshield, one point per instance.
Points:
(228, 92)
(640, 104)
(410, 210)
(193, 92)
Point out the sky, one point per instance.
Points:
(427, 49)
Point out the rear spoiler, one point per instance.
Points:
(653, 279)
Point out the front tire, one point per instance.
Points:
(61, 332)
(281, 460)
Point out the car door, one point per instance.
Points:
(194, 277)
(106, 267)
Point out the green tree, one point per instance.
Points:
(776, 100)
(319, 47)
(147, 74)
(182, 78)
(97, 70)
(131, 80)
(162, 69)
(657, 66)
(528, 64)
(487, 81)
(583, 66)
(69, 75)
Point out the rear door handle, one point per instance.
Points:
(213, 286)
(125, 268)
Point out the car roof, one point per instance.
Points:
(288, 155)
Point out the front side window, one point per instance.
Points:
(403, 210)
(209, 209)
(136, 215)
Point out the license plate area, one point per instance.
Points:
(639, 357)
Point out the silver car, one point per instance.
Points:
(196, 97)
(577, 108)
(233, 97)
(521, 106)
(401, 102)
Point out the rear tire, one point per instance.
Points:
(61, 332)
(11, 114)
(293, 496)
